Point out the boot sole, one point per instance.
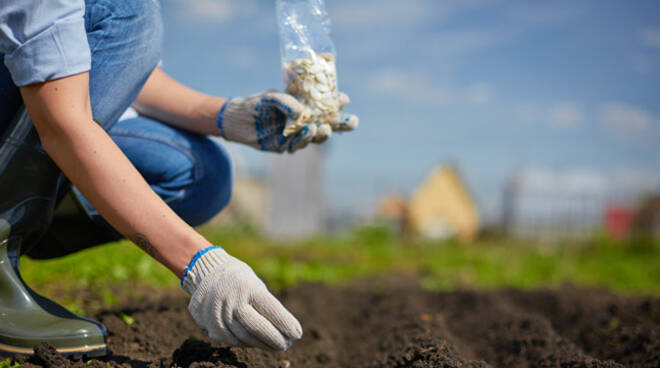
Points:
(90, 351)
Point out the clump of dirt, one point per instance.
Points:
(394, 323)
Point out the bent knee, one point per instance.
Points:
(216, 181)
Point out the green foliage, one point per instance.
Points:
(7, 363)
(126, 318)
(490, 263)
(103, 272)
(121, 268)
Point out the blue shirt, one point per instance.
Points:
(43, 39)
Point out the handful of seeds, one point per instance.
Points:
(313, 81)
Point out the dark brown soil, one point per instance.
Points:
(389, 323)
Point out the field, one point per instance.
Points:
(366, 299)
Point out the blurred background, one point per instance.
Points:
(501, 143)
(546, 115)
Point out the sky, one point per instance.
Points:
(490, 86)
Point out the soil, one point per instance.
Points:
(395, 323)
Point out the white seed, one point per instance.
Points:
(314, 92)
(323, 88)
(322, 79)
(313, 81)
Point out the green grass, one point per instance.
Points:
(103, 271)
(7, 363)
(121, 268)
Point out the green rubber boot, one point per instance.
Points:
(29, 183)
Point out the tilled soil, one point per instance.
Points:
(394, 323)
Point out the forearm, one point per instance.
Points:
(169, 101)
(91, 160)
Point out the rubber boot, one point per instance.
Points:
(29, 183)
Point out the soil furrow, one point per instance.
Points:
(505, 336)
(604, 325)
(394, 323)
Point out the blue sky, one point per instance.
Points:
(492, 86)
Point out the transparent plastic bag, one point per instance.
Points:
(308, 59)
(318, 10)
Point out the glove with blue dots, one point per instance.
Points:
(261, 119)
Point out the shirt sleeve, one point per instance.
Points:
(43, 39)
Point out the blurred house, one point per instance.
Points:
(442, 207)
(647, 219)
(393, 212)
(553, 205)
(618, 221)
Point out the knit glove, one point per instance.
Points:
(234, 306)
(261, 119)
(345, 122)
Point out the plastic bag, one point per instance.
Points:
(308, 59)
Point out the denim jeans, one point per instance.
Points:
(191, 173)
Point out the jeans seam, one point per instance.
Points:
(197, 168)
(104, 34)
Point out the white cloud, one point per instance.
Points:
(220, 11)
(417, 88)
(560, 115)
(619, 119)
(369, 13)
(626, 120)
(565, 115)
(413, 87)
(649, 37)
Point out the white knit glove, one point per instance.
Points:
(261, 119)
(234, 306)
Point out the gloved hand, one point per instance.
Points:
(234, 306)
(343, 123)
(261, 119)
(346, 122)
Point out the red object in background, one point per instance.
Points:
(618, 221)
